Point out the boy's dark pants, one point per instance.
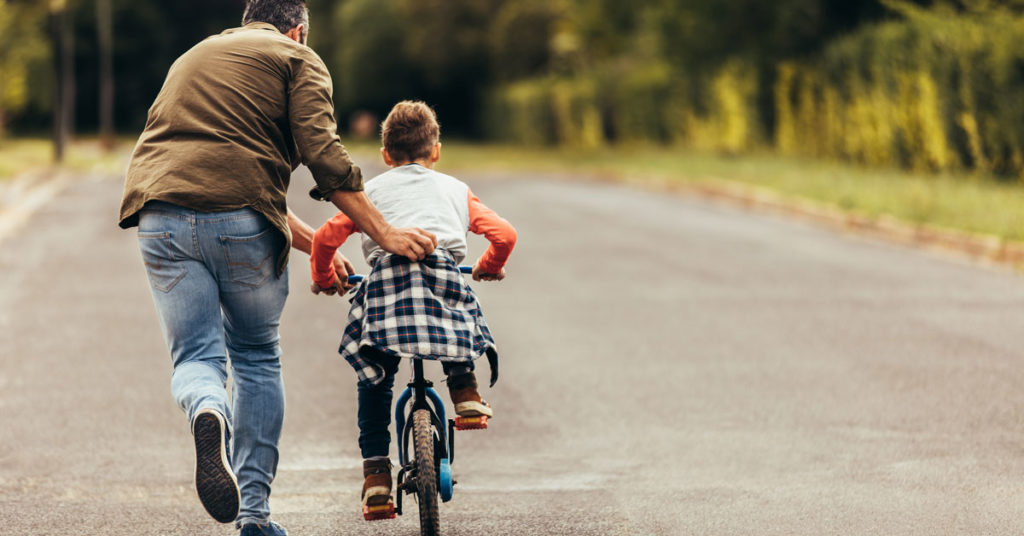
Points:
(374, 413)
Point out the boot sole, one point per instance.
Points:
(377, 496)
(473, 409)
(215, 482)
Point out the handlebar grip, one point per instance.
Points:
(356, 278)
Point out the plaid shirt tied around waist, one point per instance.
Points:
(413, 309)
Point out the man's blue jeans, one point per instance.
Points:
(214, 282)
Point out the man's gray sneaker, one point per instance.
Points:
(215, 481)
(270, 529)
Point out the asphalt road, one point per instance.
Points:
(669, 367)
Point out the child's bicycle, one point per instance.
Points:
(422, 427)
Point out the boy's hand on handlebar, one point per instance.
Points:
(340, 285)
(480, 275)
(412, 243)
(330, 291)
(342, 269)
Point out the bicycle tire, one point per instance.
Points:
(426, 473)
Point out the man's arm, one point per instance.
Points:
(302, 240)
(311, 115)
(412, 243)
(302, 233)
(311, 118)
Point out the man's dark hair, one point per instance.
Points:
(283, 14)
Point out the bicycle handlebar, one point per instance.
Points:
(353, 279)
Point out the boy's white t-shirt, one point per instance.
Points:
(414, 196)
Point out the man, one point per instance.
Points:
(206, 186)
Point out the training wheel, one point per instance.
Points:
(447, 483)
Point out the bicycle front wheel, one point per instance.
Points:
(426, 472)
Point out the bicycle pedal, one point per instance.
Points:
(471, 423)
(378, 512)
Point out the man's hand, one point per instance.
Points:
(479, 275)
(412, 243)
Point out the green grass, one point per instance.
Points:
(970, 203)
(21, 155)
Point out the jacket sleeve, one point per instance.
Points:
(326, 242)
(311, 119)
(498, 231)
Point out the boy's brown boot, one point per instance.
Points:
(463, 390)
(376, 482)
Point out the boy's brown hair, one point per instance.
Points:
(410, 131)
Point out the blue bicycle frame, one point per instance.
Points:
(421, 395)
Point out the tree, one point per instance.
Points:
(64, 73)
(12, 85)
(520, 39)
(104, 34)
(370, 70)
(22, 47)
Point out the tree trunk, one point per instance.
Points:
(68, 75)
(64, 90)
(56, 14)
(104, 29)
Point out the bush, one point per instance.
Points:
(934, 92)
(628, 103)
(522, 113)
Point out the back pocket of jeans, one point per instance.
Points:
(251, 258)
(162, 266)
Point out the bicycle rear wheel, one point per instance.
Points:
(426, 473)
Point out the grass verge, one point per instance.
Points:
(962, 202)
(21, 155)
(972, 203)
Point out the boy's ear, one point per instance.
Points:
(435, 154)
(387, 158)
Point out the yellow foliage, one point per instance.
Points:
(577, 118)
(522, 112)
(22, 49)
(832, 124)
(921, 122)
(734, 91)
(730, 124)
(969, 124)
(808, 113)
(870, 124)
(785, 120)
(13, 92)
(938, 90)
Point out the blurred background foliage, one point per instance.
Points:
(931, 85)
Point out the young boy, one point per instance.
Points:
(413, 309)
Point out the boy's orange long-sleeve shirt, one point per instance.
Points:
(482, 221)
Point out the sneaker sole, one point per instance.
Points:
(215, 482)
(377, 496)
(473, 409)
